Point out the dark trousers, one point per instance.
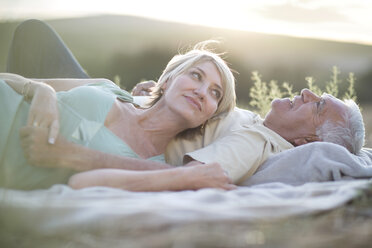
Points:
(37, 51)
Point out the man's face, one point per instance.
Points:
(297, 120)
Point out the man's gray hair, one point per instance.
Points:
(349, 133)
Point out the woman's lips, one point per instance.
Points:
(194, 102)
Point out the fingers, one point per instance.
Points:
(141, 92)
(143, 89)
(31, 121)
(53, 129)
(224, 177)
(33, 133)
(53, 132)
(230, 187)
(144, 93)
(148, 85)
(229, 183)
(24, 131)
(34, 121)
(229, 180)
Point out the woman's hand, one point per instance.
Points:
(38, 151)
(44, 111)
(208, 176)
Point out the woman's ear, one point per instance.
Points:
(164, 86)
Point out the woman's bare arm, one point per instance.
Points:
(64, 154)
(65, 84)
(118, 171)
(22, 85)
(18, 83)
(43, 110)
(181, 178)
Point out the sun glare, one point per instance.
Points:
(325, 19)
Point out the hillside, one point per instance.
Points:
(138, 48)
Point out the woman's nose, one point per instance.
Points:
(201, 91)
(309, 96)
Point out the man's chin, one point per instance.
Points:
(268, 115)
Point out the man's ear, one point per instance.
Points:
(305, 140)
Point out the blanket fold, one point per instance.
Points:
(314, 162)
(62, 209)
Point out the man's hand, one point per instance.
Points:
(208, 176)
(143, 88)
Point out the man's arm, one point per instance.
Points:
(240, 152)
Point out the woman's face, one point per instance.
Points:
(195, 94)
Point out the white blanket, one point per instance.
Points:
(62, 209)
(297, 188)
(314, 162)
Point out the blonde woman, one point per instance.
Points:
(63, 126)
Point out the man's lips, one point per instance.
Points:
(193, 102)
(287, 101)
(296, 100)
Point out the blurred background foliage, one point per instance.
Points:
(129, 49)
(135, 49)
(263, 93)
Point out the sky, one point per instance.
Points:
(342, 20)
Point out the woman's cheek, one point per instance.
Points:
(213, 110)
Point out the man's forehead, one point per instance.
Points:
(332, 100)
(327, 95)
(335, 108)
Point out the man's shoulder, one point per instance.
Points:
(237, 116)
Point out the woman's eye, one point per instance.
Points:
(196, 75)
(216, 94)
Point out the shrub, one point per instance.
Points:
(263, 93)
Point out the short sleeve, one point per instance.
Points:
(240, 153)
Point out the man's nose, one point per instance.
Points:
(309, 96)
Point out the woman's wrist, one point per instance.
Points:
(26, 89)
(185, 178)
(37, 87)
(31, 88)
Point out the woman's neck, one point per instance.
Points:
(160, 125)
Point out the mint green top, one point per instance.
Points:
(82, 113)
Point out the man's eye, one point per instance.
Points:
(319, 105)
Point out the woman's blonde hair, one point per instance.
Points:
(182, 62)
